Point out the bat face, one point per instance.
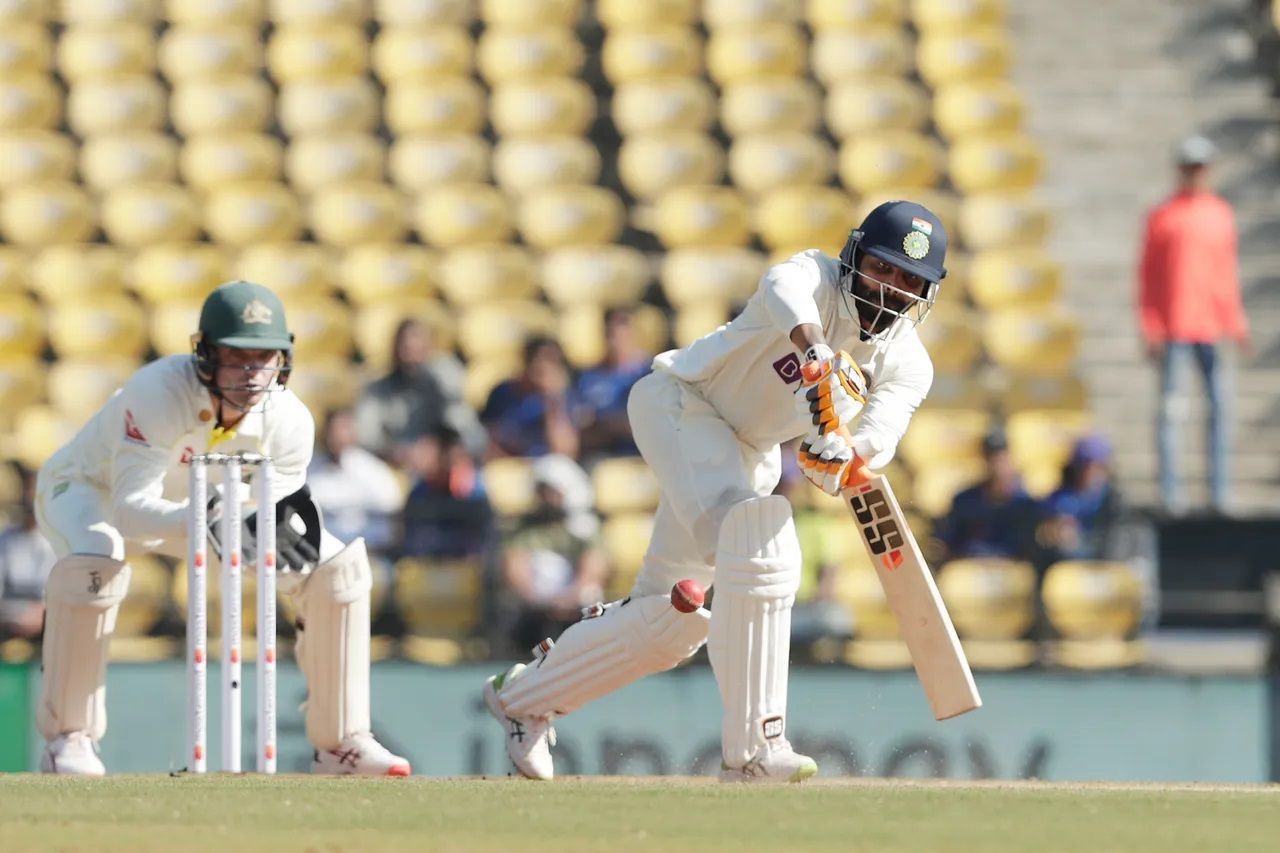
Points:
(882, 532)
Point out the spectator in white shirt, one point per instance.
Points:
(358, 493)
(25, 561)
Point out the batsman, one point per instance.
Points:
(119, 487)
(709, 421)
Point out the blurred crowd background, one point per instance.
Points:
(486, 217)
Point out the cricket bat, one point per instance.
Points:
(908, 585)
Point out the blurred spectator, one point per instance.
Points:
(531, 415)
(421, 395)
(357, 491)
(1080, 515)
(603, 390)
(1189, 300)
(447, 514)
(552, 561)
(25, 561)
(994, 518)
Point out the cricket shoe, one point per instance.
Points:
(359, 755)
(72, 754)
(529, 739)
(776, 762)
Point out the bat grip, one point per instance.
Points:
(859, 473)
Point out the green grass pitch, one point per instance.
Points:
(250, 813)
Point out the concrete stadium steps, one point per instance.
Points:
(1108, 105)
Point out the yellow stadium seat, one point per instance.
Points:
(804, 216)
(49, 212)
(580, 329)
(1045, 436)
(872, 106)
(651, 52)
(149, 599)
(535, 107)
(29, 156)
(211, 161)
(413, 54)
(324, 106)
(1003, 221)
(989, 599)
(977, 106)
(570, 216)
(223, 105)
(944, 58)
(293, 270)
(995, 163)
(767, 105)
(1092, 600)
(597, 275)
(108, 11)
(625, 14)
(675, 103)
(109, 325)
(861, 53)
(317, 161)
(317, 52)
(38, 432)
(1032, 340)
(206, 51)
(505, 54)
(705, 216)
(462, 214)
(509, 484)
(238, 12)
(29, 101)
(1037, 391)
(484, 374)
(375, 271)
(734, 13)
(522, 164)
(1014, 278)
(897, 159)
(22, 384)
(25, 47)
(697, 319)
(726, 275)
(59, 274)
(16, 11)
(172, 323)
(473, 275)
(953, 336)
(498, 328)
(417, 13)
(98, 105)
(951, 15)
(944, 205)
(447, 105)
(116, 160)
(420, 161)
(762, 162)
(324, 384)
(178, 271)
(22, 332)
(858, 587)
(626, 538)
(355, 212)
(318, 11)
(97, 52)
(321, 327)
(955, 387)
(936, 436)
(653, 163)
(376, 322)
(79, 386)
(754, 53)
(139, 214)
(938, 481)
(851, 14)
(624, 484)
(531, 13)
(14, 269)
(252, 212)
(440, 598)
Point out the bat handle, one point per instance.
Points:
(859, 473)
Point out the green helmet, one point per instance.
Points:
(241, 315)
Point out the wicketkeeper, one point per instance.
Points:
(120, 487)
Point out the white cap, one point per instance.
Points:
(1195, 151)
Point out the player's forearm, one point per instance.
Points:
(807, 335)
(144, 517)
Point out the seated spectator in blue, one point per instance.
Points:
(25, 561)
(447, 514)
(358, 492)
(1082, 512)
(532, 415)
(994, 518)
(602, 391)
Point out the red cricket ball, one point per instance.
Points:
(687, 595)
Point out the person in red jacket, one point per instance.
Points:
(1188, 302)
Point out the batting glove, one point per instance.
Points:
(832, 390)
(827, 459)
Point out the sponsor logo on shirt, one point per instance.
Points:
(131, 431)
(788, 368)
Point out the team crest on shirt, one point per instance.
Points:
(131, 431)
(256, 312)
(916, 244)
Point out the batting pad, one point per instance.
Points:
(333, 646)
(757, 575)
(629, 640)
(82, 598)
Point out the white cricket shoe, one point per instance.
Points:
(777, 762)
(529, 739)
(72, 754)
(359, 755)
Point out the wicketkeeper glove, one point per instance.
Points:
(298, 527)
(832, 390)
